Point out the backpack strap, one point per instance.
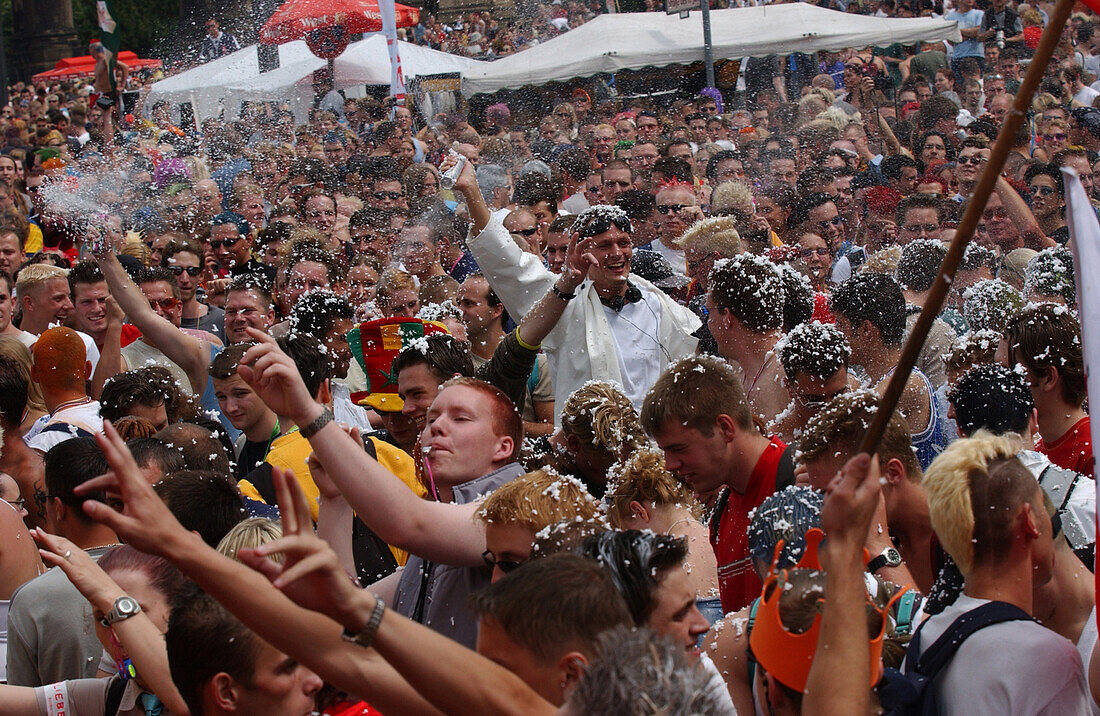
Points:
(784, 473)
(716, 516)
(115, 691)
(67, 428)
(750, 661)
(906, 608)
(931, 661)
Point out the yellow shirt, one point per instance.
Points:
(34, 240)
(292, 451)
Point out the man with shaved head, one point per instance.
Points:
(61, 368)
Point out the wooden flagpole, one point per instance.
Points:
(938, 294)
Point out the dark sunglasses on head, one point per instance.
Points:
(506, 565)
(602, 222)
(191, 270)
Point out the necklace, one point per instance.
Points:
(767, 359)
(100, 546)
(70, 404)
(677, 522)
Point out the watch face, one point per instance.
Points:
(126, 606)
(893, 557)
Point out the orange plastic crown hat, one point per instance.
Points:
(788, 656)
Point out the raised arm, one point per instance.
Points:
(187, 352)
(544, 315)
(454, 679)
(1019, 213)
(138, 635)
(440, 532)
(312, 638)
(839, 680)
(517, 276)
(110, 358)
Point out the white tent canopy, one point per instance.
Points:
(224, 83)
(632, 41)
(366, 62)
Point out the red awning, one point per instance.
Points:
(84, 66)
(295, 19)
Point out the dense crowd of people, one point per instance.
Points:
(515, 413)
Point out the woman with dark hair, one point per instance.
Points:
(131, 594)
(933, 146)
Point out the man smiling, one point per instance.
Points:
(631, 329)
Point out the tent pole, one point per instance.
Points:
(708, 48)
(938, 294)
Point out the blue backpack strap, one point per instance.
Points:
(911, 692)
(750, 661)
(533, 379)
(906, 607)
(68, 428)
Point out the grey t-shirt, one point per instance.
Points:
(213, 321)
(1017, 668)
(50, 632)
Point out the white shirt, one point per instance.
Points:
(1017, 668)
(84, 416)
(92, 353)
(636, 331)
(676, 257)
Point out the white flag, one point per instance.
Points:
(1084, 241)
(389, 29)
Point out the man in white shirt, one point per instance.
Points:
(988, 513)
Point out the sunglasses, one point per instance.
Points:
(526, 232)
(822, 251)
(603, 222)
(191, 270)
(975, 160)
(670, 208)
(392, 195)
(835, 221)
(1059, 137)
(228, 243)
(917, 228)
(166, 304)
(17, 504)
(506, 565)
(1040, 190)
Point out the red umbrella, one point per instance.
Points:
(326, 25)
(84, 66)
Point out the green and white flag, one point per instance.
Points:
(109, 35)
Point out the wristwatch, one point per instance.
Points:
(124, 608)
(889, 557)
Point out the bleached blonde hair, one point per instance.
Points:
(975, 488)
(715, 234)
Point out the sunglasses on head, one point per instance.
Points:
(191, 270)
(603, 222)
(506, 565)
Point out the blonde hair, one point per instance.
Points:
(250, 533)
(970, 473)
(599, 414)
(30, 277)
(732, 195)
(644, 479)
(392, 281)
(713, 235)
(537, 500)
(137, 248)
(883, 261)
